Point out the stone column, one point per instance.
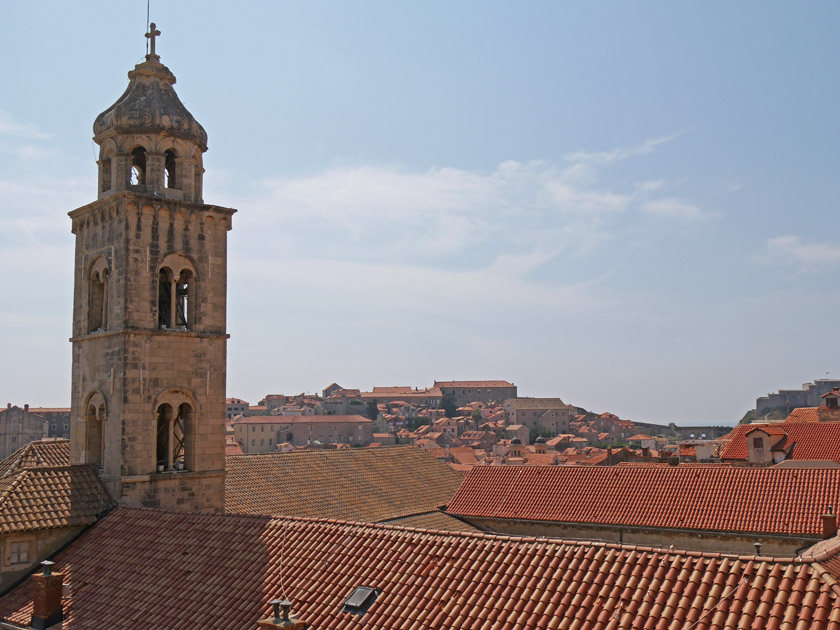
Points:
(155, 181)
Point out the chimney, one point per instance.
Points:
(46, 597)
(26, 407)
(757, 546)
(829, 523)
(281, 619)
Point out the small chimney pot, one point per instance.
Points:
(757, 546)
(829, 523)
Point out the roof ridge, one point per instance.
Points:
(826, 576)
(363, 449)
(13, 485)
(586, 544)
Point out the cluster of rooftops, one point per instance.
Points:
(434, 549)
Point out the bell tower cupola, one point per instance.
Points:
(148, 141)
(149, 305)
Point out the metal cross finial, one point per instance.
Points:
(153, 32)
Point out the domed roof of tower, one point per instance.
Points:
(149, 105)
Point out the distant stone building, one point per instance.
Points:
(262, 434)
(487, 392)
(550, 414)
(58, 420)
(18, 427)
(236, 407)
(429, 397)
(789, 399)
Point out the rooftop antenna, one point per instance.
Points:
(148, 2)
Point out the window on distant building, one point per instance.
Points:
(758, 443)
(19, 552)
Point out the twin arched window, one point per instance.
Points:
(175, 436)
(98, 295)
(176, 293)
(95, 418)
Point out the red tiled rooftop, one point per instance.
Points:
(804, 414)
(302, 419)
(711, 497)
(810, 440)
(37, 454)
(145, 569)
(359, 484)
(51, 497)
(473, 384)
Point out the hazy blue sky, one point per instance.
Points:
(630, 205)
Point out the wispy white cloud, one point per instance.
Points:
(367, 212)
(803, 256)
(674, 208)
(11, 127)
(605, 157)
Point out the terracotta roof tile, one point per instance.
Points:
(804, 414)
(37, 454)
(537, 403)
(722, 498)
(356, 484)
(809, 440)
(312, 419)
(179, 570)
(473, 384)
(44, 498)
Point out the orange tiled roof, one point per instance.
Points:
(408, 394)
(357, 484)
(538, 403)
(804, 414)
(37, 454)
(809, 440)
(439, 521)
(303, 420)
(722, 498)
(141, 569)
(45, 498)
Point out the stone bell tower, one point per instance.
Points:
(149, 339)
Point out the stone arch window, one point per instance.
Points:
(176, 293)
(98, 295)
(137, 175)
(169, 170)
(94, 440)
(175, 438)
(165, 298)
(183, 301)
(105, 176)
